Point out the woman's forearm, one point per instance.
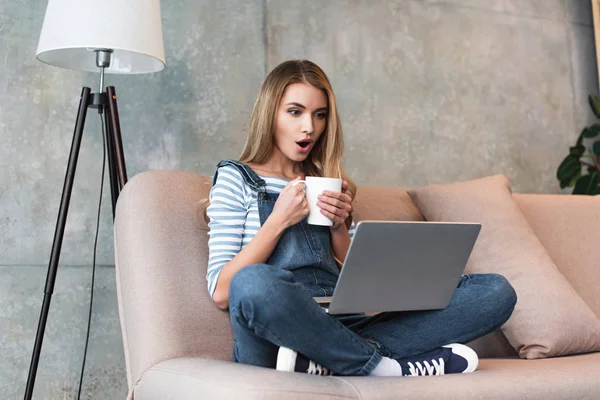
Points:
(257, 251)
(340, 242)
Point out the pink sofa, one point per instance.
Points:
(178, 343)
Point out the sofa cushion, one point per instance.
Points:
(572, 377)
(550, 318)
(384, 204)
(199, 378)
(569, 228)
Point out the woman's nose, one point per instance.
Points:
(307, 124)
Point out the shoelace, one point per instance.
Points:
(316, 369)
(418, 369)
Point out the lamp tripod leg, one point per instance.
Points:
(114, 145)
(110, 153)
(84, 102)
(115, 128)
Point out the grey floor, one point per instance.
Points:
(21, 294)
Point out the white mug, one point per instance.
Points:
(314, 186)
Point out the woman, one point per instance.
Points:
(266, 263)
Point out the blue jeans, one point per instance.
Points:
(271, 305)
(268, 308)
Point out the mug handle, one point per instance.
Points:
(300, 181)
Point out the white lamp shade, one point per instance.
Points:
(132, 28)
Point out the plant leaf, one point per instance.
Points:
(595, 188)
(570, 182)
(568, 168)
(596, 148)
(577, 150)
(595, 104)
(587, 184)
(580, 138)
(582, 185)
(591, 131)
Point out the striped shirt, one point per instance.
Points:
(233, 218)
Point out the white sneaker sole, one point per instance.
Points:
(467, 353)
(286, 359)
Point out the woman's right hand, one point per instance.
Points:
(291, 207)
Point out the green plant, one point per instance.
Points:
(569, 172)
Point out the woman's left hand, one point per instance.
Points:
(336, 206)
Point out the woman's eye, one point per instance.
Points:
(321, 115)
(294, 112)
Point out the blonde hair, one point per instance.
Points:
(325, 159)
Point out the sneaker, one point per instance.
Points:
(463, 360)
(289, 360)
(449, 359)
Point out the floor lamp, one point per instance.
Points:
(108, 36)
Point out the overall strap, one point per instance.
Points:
(251, 177)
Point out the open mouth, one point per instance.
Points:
(304, 143)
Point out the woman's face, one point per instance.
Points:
(301, 119)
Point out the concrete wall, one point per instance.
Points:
(428, 90)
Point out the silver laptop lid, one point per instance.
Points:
(403, 266)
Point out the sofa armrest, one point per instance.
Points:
(160, 261)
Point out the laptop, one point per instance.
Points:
(402, 266)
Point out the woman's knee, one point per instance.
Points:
(255, 282)
(501, 294)
(506, 292)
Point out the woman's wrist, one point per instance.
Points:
(341, 229)
(275, 225)
(340, 242)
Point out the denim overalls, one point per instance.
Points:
(303, 249)
(271, 305)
